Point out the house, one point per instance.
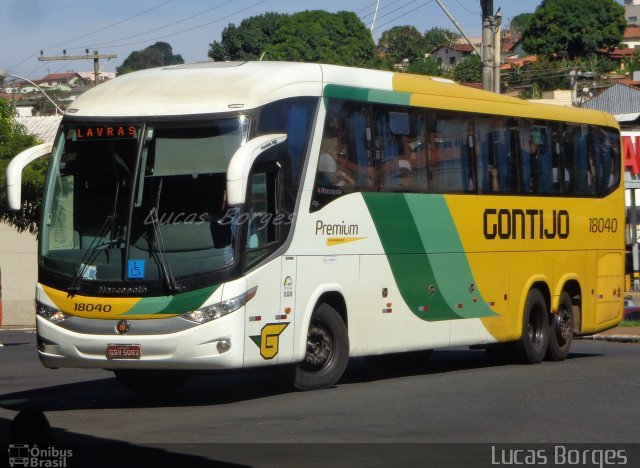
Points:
(620, 100)
(631, 37)
(449, 55)
(632, 11)
(57, 79)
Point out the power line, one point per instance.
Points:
(188, 29)
(168, 25)
(93, 32)
(111, 25)
(403, 15)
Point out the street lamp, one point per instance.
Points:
(4, 74)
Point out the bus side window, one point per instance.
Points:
(543, 159)
(397, 145)
(493, 154)
(576, 157)
(607, 166)
(266, 224)
(449, 154)
(344, 162)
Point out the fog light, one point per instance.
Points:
(224, 345)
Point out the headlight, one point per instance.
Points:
(220, 309)
(49, 313)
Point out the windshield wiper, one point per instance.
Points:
(96, 246)
(161, 252)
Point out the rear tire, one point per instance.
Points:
(561, 330)
(532, 345)
(152, 383)
(327, 351)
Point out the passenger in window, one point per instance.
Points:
(335, 169)
(345, 175)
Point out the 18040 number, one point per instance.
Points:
(82, 307)
(600, 225)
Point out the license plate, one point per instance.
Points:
(123, 351)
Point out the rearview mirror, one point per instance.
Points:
(241, 162)
(14, 172)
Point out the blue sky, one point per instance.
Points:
(123, 26)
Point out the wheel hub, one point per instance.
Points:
(319, 347)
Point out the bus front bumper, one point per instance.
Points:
(214, 345)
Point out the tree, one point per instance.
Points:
(318, 36)
(247, 41)
(436, 37)
(402, 42)
(520, 22)
(570, 29)
(159, 54)
(425, 66)
(13, 139)
(468, 70)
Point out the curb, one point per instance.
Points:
(613, 338)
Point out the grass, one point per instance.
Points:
(630, 323)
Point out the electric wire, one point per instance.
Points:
(94, 32)
(401, 16)
(189, 29)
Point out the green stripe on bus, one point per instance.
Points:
(426, 256)
(368, 95)
(178, 304)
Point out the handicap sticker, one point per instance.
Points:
(135, 269)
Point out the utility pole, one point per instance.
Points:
(487, 44)
(95, 57)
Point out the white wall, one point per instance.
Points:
(18, 260)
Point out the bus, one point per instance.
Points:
(218, 216)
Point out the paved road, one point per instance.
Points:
(460, 396)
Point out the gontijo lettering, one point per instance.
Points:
(525, 224)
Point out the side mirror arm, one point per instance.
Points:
(14, 172)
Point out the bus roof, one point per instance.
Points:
(214, 87)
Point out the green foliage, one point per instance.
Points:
(631, 64)
(543, 75)
(247, 41)
(159, 54)
(402, 42)
(427, 66)
(436, 37)
(318, 36)
(468, 70)
(571, 29)
(14, 139)
(521, 21)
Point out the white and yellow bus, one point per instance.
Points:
(239, 215)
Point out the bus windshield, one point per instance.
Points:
(140, 202)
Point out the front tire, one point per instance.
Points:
(532, 345)
(327, 351)
(561, 330)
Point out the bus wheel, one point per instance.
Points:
(327, 351)
(532, 345)
(561, 330)
(151, 383)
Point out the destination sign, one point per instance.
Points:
(106, 132)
